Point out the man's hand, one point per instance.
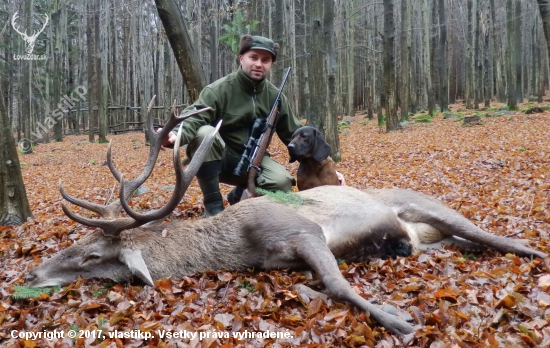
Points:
(341, 178)
(169, 141)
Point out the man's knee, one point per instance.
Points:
(279, 180)
(203, 131)
(216, 150)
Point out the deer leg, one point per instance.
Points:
(460, 242)
(308, 292)
(319, 257)
(451, 222)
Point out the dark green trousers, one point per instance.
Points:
(272, 177)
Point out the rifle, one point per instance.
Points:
(260, 137)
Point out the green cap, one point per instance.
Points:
(249, 42)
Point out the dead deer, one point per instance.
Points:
(333, 222)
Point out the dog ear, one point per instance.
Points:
(322, 149)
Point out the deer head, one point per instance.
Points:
(101, 254)
(29, 40)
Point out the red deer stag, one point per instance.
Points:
(333, 222)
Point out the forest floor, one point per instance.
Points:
(497, 174)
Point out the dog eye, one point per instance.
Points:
(303, 135)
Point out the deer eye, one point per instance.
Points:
(91, 257)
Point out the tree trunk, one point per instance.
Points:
(517, 51)
(214, 54)
(331, 122)
(443, 80)
(489, 59)
(291, 52)
(57, 61)
(305, 64)
(351, 66)
(186, 56)
(468, 71)
(544, 8)
(476, 68)
(278, 31)
(426, 56)
(14, 206)
(392, 121)
(498, 70)
(512, 101)
(26, 97)
(90, 73)
(317, 67)
(323, 70)
(405, 59)
(101, 75)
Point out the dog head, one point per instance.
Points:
(308, 142)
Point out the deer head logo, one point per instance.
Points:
(29, 40)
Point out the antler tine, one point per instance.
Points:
(43, 26)
(15, 16)
(108, 212)
(110, 164)
(155, 145)
(183, 179)
(110, 227)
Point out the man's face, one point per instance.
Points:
(256, 64)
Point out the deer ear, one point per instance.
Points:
(133, 259)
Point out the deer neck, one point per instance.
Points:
(189, 247)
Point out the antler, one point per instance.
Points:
(183, 179)
(109, 223)
(15, 16)
(155, 141)
(29, 40)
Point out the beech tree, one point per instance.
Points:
(14, 206)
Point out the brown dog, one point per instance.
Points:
(308, 146)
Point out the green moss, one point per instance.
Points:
(511, 108)
(422, 118)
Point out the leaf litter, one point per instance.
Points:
(460, 299)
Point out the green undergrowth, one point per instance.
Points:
(31, 292)
(287, 198)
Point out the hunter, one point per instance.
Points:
(238, 99)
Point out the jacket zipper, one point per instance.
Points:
(254, 103)
(253, 112)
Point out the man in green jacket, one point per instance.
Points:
(238, 99)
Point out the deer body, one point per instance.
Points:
(257, 233)
(333, 222)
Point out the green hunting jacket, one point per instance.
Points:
(238, 101)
